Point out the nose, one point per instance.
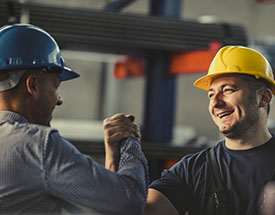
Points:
(217, 101)
(59, 100)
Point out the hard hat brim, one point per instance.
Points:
(67, 74)
(205, 81)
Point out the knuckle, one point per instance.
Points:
(118, 115)
(106, 120)
(108, 133)
(106, 126)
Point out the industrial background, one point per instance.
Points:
(141, 57)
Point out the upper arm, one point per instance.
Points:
(158, 204)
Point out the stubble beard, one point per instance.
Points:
(245, 127)
(241, 129)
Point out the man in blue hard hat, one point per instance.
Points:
(40, 172)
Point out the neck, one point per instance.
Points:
(15, 103)
(249, 141)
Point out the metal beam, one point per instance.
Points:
(92, 30)
(151, 150)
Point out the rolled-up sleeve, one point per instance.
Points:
(73, 176)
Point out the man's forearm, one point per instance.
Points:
(133, 167)
(112, 158)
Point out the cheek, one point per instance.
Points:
(53, 95)
(54, 100)
(210, 109)
(241, 108)
(51, 100)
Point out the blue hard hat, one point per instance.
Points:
(25, 46)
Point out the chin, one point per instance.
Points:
(45, 123)
(48, 123)
(232, 133)
(228, 134)
(226, 131)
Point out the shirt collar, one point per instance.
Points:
(12, 116)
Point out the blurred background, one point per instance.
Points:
(141, 57)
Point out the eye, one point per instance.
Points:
(210, 95)
(228, 90)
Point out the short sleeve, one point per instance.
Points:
(174, 186)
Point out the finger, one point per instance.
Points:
(114, 117)
(110, 130)
(113, 127)
(116, 121)
(117, 116)
(121, 133)
(123, 122)
(131, 117)
(117, 137)
(120, 117)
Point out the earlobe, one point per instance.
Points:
(266, 97)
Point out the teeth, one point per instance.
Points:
(220, 115)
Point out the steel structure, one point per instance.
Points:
(153, 36)
(93, 30)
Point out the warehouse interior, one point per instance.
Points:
(141, 57)
(99, 37)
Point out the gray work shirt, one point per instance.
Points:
(41, 172)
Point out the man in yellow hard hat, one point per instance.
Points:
(229, 177)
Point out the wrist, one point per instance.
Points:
(112, 156)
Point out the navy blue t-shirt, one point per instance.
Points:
(244, 172)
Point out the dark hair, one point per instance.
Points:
(257, 83)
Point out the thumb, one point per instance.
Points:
(131, 117)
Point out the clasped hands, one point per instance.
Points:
(116, 128)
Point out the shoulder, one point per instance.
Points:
(55, 146)
(193, 164)
(46, 136)
(35, 131)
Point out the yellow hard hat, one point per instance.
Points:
(237, 59)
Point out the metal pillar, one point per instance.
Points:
(160, 87)
(160, 90)
(159, 99)
(167, 8)
(117, 6)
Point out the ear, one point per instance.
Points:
(32, 84)
(266, 96)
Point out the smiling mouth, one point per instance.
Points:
(224, 114)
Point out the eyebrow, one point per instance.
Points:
(210, 90)
(223, 86)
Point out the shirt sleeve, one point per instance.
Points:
(173, 185)
(73, 176)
